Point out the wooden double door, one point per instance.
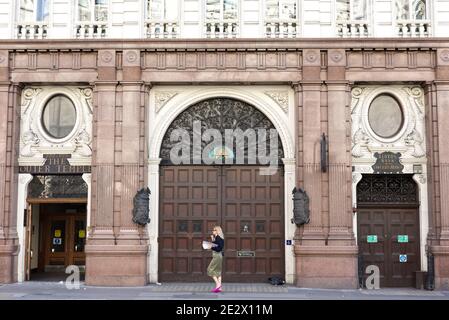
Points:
(388, 237)
(62, 237)
(245, 202)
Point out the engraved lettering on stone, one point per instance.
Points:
(280, 97)
(162, 97)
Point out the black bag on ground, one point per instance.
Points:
(276, 281)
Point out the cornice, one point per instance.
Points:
(245, 44)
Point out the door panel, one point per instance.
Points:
(248, 206)
(63, 238)
(387, 224)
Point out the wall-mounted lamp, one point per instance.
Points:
(323, 149)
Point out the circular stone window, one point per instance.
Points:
(59, 117)
(385, 116)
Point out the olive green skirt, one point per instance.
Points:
(214, 268)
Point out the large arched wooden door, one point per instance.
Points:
(242, 198)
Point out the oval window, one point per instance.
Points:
(385, 116)
(59, 117)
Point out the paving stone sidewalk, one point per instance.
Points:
(201, 291)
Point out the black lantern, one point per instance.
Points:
(323, 149)
(141, 211)
(301, 210)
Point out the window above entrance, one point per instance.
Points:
(59, 117)
(385, 116)
(221, 131)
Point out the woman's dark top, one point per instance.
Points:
(220, 245)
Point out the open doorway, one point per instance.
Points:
(56, 236)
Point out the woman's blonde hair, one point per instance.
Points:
(219, 231)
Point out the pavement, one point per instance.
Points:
(41, 290)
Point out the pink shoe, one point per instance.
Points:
(216, 290)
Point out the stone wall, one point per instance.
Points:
(322, 73)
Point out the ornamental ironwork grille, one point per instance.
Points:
(57, 186)
(388, 189)
(222, 114)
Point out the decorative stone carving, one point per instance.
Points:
(27, 95)
(310, 56)
(421, 178)
(2, 58)
(444, 55)
(415, 140)
(418, 100)
(106, 56)
(82, 141)
(35, 141)
(356, 94)
(29, 139)
(87, 94)
(131, 56)
(162, 97)
(280, 97)
(336, 56)
(360, 141)
(409, 140)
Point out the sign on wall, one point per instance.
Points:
(55, 164)
(388, 162)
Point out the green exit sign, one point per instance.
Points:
(402, 238)
(371, 238)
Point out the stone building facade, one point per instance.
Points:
(127, 94)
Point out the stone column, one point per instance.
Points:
(22, 193)
(441, 251)
(313, 233)
(153, 226)
(9, 135)
(310, 238)
(117, 248)
(341, 237)
(331, 262)
(100, 255)
(87, 177)
(339, 140)
(290, 228)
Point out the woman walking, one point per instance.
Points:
(214, 268)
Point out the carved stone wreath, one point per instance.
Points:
(220, 114)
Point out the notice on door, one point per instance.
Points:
(371, 238)
(402, 238)
(57, 233)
